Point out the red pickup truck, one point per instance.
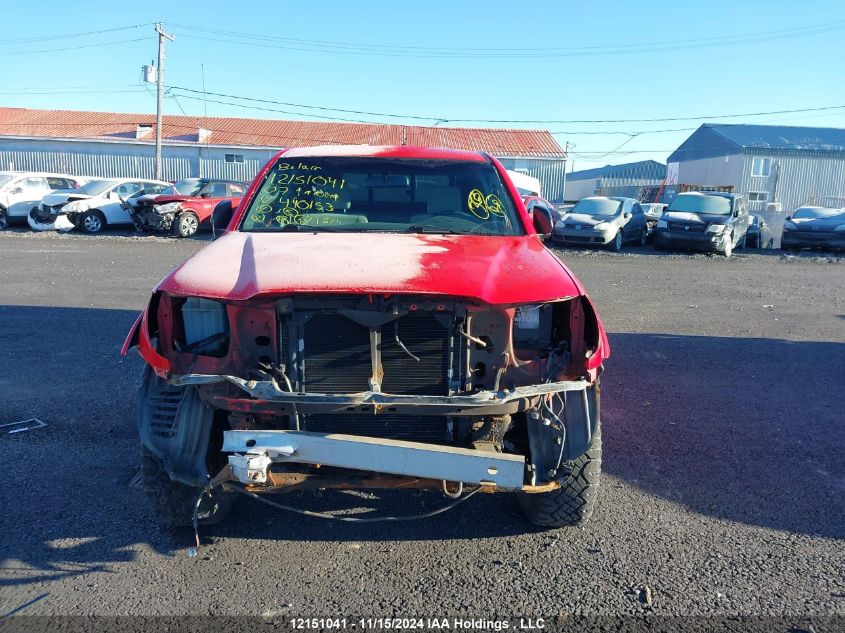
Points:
(372, 317)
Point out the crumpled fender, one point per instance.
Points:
(139, 336)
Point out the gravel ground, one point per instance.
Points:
(722, 492)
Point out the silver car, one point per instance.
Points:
(603, 221)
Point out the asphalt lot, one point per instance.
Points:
(724, 462)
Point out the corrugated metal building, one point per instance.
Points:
(639, 180)
(787, 165)
(113, 144)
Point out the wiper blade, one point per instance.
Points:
(430, 228)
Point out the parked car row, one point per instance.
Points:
(59, 202)
(708, 221)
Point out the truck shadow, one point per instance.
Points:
(740, 429)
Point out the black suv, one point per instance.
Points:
(708, 221)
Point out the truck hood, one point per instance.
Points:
(495, 270)
(694, 218)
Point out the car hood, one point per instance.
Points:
(694, 218)
(164, 199)
(819, 224)
(495, 270)
(587, 220)
(57, 197)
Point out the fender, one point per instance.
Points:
(139, 336)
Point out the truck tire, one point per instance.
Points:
(573, 502)
(173, 502)
(4, 219)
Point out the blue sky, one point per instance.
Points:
(484, 66)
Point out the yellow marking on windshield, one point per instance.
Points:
(482, 206)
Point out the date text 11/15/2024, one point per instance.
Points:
(421, 624)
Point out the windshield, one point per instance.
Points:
(189, 186)
(714, 205)
(811, 213)
(5, 178)
(598, 207)
(348, 194)
(96, 187)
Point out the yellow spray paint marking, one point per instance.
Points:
(482, 206)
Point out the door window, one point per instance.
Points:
(126, 189)
(54, 183)
(215, 190)
(154, 187)
(236, 190)
(34, 185)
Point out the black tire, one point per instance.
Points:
(173, 502)
(186, 224)
(574, 501)
(658, 246)
(616, 244)
(91, 222)
(644, 237)
(4, 219)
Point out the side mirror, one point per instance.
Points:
(787, 218)
(205, 194)
(627, 215)
(542, 221)
(17, 190)
(221, 216)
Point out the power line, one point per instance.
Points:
(352, 48)
(73, 48)
(51, 38)
(263, 109)
(308, 107)
(513, 121)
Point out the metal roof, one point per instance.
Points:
(640, 169)
(225, 131)
(716, 139)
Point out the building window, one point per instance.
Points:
(234, 158)
(761, 166)
(758, 196)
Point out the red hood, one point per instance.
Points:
(496, 270)
(174, 198)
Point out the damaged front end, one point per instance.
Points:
(147, 215)
(50, 217)
(369, 391)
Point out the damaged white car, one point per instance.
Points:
(92, 207)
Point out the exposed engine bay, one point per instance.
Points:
(265, 381)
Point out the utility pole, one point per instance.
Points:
(162, 35)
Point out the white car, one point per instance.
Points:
(92, 207)
(21, 191)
